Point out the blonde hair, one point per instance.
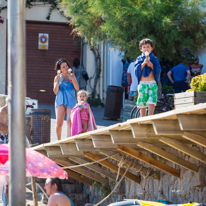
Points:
(83, 91)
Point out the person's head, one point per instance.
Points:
(146, 45)
(62, 65)
(76, 62)
(82, 95)
(52, 185)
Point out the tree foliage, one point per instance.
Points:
(172, 24)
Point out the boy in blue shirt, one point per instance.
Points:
(147, 70)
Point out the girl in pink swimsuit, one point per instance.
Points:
(81, 115)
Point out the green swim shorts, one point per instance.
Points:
(147, 93)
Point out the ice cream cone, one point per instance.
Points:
(69, 72)
(58, 72)
(147, 55)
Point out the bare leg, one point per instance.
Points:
(60, 112)
(68, 122)
(85, 126)
(151, 109)
(143, 112)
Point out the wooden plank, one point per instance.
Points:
(149, 160)
(196, 138)
(200, 94)
(168, 156)
(122, 137)
(184, 100)
(190, 122)
(70, 149)
(187, 150)
(93, 167)
(166, 127)
(142, 131)
(53, 152)
(43, 152)
(179, 106)
(85, 145)
(78, 177)
(103, 141)
(82, 171)
(113, 167)
(184, 94)
(118, 158)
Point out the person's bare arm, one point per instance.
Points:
(188, 76)
(128, 78)
(169, 74)
(56, 84)
(74, 81)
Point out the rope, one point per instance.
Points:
(147, 173)
(115, 186)
(121, 164)
(89, 163)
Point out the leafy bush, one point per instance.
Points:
(198, 83)
(167, 90)
(95, 102)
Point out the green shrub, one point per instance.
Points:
(135, 96)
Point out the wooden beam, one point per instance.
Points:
(149, 160)
(85, 145)
(113, 167)
(122, 137)
(118, 158)
(54, 151)
(190, 122)
(168, 156)
(70, 149)
(34, 193)
(42, 152)
(196, 138)
(81, 171)
(166, 127)
(103, 141)
(78, 177)
(93, 167)
(183, 148)
(142, 131)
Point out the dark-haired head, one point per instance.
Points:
(59, 62)
(57, 181)
(145, 41)
(76, 62)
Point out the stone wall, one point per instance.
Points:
(190, 186)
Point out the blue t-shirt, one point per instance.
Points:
(179, 72)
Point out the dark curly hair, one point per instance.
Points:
(59, 62)
(145, 41)
(57, 181)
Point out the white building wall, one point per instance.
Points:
(111, 68)
(202, 60)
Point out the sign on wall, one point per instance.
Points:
(31, 104)
(43, 41)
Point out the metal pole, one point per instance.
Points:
(16, 98)
(80, 72)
